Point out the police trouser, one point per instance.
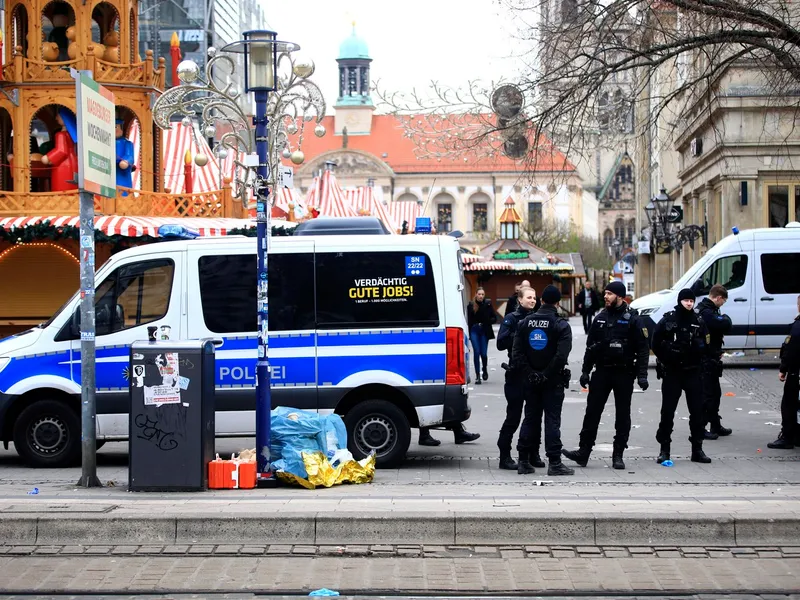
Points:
(605, 380)
(547, 399)
(515, 401)
(712, 393)
(676, 381)
(789, 425)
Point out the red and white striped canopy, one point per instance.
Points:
(327, 196)
(405, 210)
(136, 226)
(365, 202)
(176, 141)
(488, 265)
(467, 258)
(284, 196)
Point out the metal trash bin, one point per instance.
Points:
(171, 425)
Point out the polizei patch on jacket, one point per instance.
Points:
(538, 339)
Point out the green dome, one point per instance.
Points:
(353, 47)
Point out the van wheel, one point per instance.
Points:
(381, 427)
(48, 434)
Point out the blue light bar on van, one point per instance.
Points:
(178, 231)
(422, 225)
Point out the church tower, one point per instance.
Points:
(354, 106)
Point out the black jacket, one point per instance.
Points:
(512, 304)
(790, 351)
(485, 317)
(618, 338)
(717, 323)
(508, 329)
(521, 351)
(580, 302)
(681, 340)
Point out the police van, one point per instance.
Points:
(371, 327)
(760, 268)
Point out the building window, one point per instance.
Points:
(479, 216)
(631, 230)
(444, 218)
(783, 204)
(608, 238)
(619, 229)
(603, 109)
(535, 215)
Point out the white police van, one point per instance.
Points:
(760, 268)
(371, 327)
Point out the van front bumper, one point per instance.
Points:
(456, 404)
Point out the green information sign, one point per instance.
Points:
(97, 145)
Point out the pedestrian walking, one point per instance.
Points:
(513, 389)
(789, 373)
(587, 303)
(618, 350)
(540, 353)
(718, 325)
(480, 318)
(680, 343)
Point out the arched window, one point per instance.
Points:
(603, 110)
(105, 30)
(631, 231)
(619, 230)
(608, 238)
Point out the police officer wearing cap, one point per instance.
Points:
(789, 373)
(541, 351)
(680, 343)
(527, 303)
(618, 350)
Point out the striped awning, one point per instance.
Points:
(139, 226)
(405, 210)
(285, 196)
(328, 197)
(366, 203)
(467, 258)
(175, 142)
(489, 265)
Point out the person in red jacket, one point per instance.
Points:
(64, 156)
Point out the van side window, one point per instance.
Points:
(781, 273)
(228, 292)
(134, 295)
(375, 289)
(730, 272)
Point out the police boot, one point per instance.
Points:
(664, 454)
(426, 439)
(719, 430)
(559, 468)
(525, 467)
(580, 456)
(616, 459)
(782, 443)
(507, 463)
(697, 453)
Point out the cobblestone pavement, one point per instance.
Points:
(476, 574)
(409, 551)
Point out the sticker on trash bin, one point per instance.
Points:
(183, 383)
(169, 392)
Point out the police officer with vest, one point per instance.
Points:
(527, 303)
(718, 325)
(789, 373)
(540, 353)
(680, 343)
(618, 349)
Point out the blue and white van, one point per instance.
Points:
(371, 327)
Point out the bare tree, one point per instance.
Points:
(562, 237)
(582, 51)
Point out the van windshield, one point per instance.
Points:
(47, 323)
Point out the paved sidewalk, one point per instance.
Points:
(166, 574)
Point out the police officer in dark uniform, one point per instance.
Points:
(718, 325)
(618, 349)
(680, 343)
(541, 350)
(789, 436)
(527, 303)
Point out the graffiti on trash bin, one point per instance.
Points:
(149, 430)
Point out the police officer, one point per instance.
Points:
(718, 325)
(618, 349)
(789, 436)
(514, 389)
(680, 343)
(540, 353)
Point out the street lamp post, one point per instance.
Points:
(284, 99)
(662, 217)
